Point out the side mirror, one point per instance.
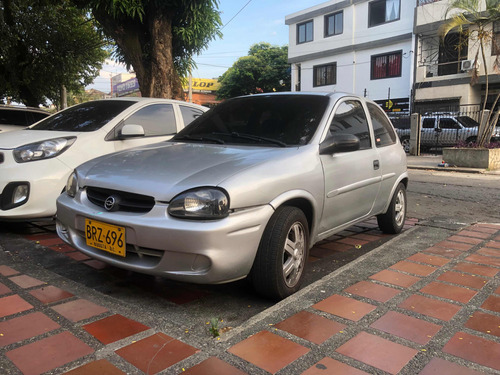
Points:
(339, 143)
(131, 131)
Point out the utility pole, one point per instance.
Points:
(64, 98)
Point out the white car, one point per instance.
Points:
(35, 162)
(17, 117)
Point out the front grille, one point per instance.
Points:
(128, 202)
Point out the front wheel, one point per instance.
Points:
(393, 220)
(279, 265)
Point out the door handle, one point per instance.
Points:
(376, 164)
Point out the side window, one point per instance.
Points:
(189, 114)
(448, 123)
(428, 123)
(350, 118)
(156, 119)
(384, 133)
(13, 117)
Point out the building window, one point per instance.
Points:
(324, 75)
(383, 11)
(452, 51)
(386, 66)
(334, 24)
(495, 40)
(305, 32)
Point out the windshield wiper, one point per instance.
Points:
(199, 139)
(253, 138)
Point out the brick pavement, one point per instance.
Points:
(440, 307)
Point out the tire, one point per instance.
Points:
(278, 269)
(405, 142)
(471, 140)
(393, 220)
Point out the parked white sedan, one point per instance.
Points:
(36, 162)
(245, 189)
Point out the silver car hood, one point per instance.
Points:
(166, 169)
(17, 138)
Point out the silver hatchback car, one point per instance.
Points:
(245, 190)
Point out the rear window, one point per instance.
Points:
(85, 117)
(287, 119)
(467, 122)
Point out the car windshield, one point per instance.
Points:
(85, 117)
(467, 122)
(276, 120)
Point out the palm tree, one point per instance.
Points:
(475, 18)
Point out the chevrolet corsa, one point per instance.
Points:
(245, 190)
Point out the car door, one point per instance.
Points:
(449, 134)
(158, 121)
(352, 179)
(428, 133)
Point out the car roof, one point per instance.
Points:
(146, 100)
(21, 108)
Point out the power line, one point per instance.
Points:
(244, 6)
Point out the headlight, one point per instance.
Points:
(72, 185)
(202, 203)
(42, 150)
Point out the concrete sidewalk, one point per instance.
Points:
(432, 162)
(425, 302)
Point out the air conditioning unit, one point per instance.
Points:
(467, 65)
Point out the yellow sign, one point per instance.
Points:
(202, 84)
(389, 104)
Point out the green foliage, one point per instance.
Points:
(158, 38)
(214, 327)
(265, 69)
(46, 44)
(476, 21)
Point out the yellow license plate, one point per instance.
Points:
(107, 237)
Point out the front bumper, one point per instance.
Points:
(46, 180)
(205, 252)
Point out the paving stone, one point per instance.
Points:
(79, 309)
(475, 349)
(463, 279)
(485, 323)
(469, 240)
(25, 281)
(395, 278)
(330, 366)
(96, 264)
(382, 354)
(454, 245)
(413, 268)
(493, 244)
(477, 269)
(492, 303)
(449, 253)
(433, 260)
(114, 328)
(51, 241)
(455, 293)
(484, 229)
(49, 294)
(407, 327)
(156, 353)
(12, 305)
(25, 327)
(268, 351)
(373, 291)
(335, 246)
(7, 271)
(430, 307)
(49, 353)
(489, 252)
(438, 366)
(475, 234)
(483, 260)
(76, 255)
(62, 248)
(497, 291)
(100, 367)
(4, 289)
(353, 241)
(345, 307)
(311, 327)
(213, 365)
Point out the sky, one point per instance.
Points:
(245, 22)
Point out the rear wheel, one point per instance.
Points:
(393, 220)
(279, 265)
(405, 142)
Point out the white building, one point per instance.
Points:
(359, 46)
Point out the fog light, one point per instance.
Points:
(20, 194)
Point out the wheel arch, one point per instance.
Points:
(302, 200)
(403, 180)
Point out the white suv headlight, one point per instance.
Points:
(201, 203)
(42, 150)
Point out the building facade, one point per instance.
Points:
(359, 46)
